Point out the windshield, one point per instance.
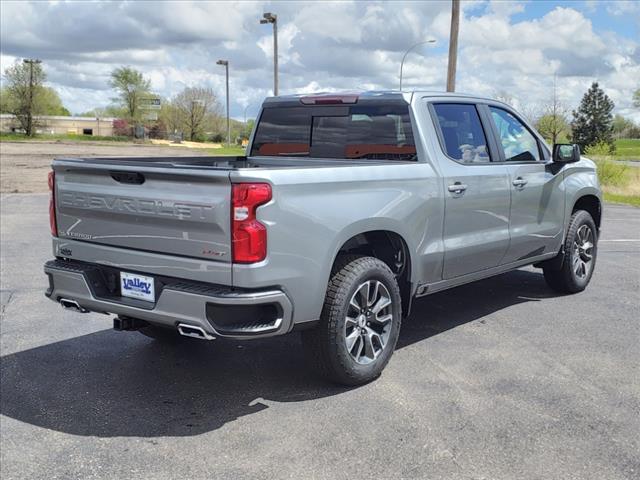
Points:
(357, 131)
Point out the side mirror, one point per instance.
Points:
(566, 153)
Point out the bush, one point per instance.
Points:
(612, 173)
(121, 128)
(157, 130)
(600, 149)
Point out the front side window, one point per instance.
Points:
(462, 133)
(518, 143)
(356, 132)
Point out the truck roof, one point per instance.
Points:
(349, 96)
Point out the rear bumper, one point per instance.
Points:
(218, 310)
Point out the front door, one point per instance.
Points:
(477, 194)
(537, 194)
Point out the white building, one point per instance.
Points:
(63, 125)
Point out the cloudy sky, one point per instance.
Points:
(512, 48)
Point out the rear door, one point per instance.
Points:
(537, 196)
(173, 211)
(477, 196)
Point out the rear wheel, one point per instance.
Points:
(580, 252)
(360, 322)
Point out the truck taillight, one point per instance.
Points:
(248, 235)
(52, 203)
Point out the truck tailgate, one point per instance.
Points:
(174, 211)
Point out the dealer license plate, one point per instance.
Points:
(137, 286)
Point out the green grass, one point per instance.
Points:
(224, 151)
(12, 137)
(612, 173)
(628, 149)
(620, 198)
(620, 183)
(19, 137)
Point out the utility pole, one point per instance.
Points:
(453, 45)
(31, 63)
(273, 19)
(226, 66)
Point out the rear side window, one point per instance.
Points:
(462, 134)
(358, 131)
(517, 141)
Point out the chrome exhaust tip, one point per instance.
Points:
(69, 304)
(194, 332)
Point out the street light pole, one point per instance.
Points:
(407, 53)
(226, 66)
(273, 19)
(245, 114)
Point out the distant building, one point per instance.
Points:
(63, 125)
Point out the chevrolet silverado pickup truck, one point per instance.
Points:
(345, 209)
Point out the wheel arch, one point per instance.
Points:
(390, 247)
(590, 203)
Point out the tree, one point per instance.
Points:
(553, 124)
(114, 111)
(504, 97)
(247, 128)
(620, 125)
(5, 100)
(171, 117)
(48, 103)
(24, 83)
(530, 111)
(636, 98)
(554, 128)
(197, 109)
(593, 122)
(625, 128)
(131, 87)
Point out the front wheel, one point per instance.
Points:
(580, 252)
(359, 324)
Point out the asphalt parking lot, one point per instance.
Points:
(500, 379)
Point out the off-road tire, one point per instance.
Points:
(325, 344)
(564, 279)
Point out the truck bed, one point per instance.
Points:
(218, 162)
(169, 205)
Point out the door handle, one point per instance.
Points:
(457, 187)
(519, 182)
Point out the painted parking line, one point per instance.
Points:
(620, 240)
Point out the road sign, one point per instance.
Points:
(150, 103)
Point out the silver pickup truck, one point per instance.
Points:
(345, 209)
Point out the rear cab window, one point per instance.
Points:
(357, 131)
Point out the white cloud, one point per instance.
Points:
(322, 46)
(623, 7)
